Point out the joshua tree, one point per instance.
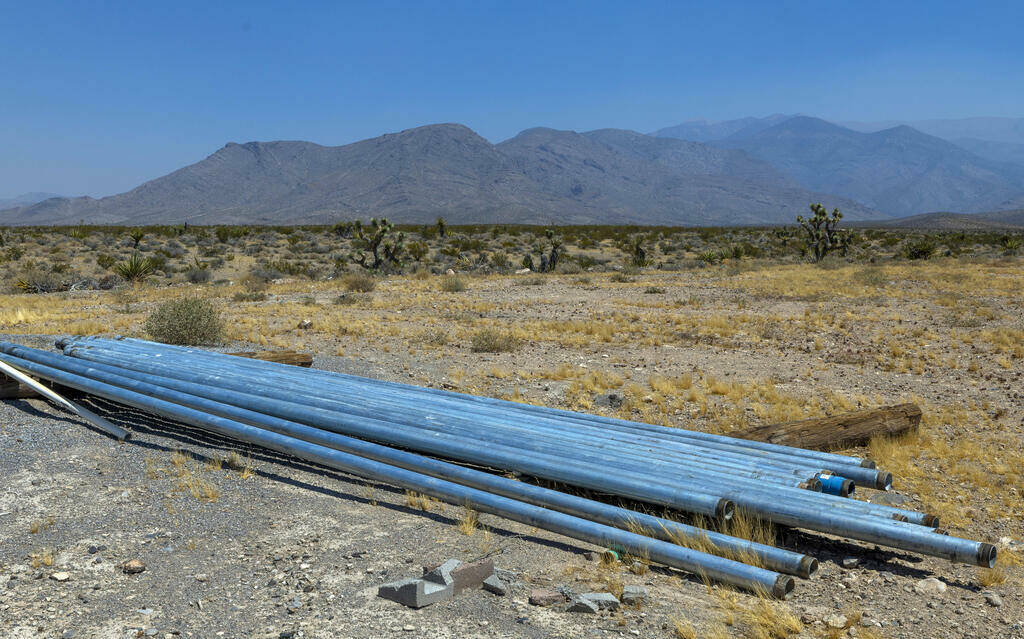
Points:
(823, 232)
(136, 234)
(376, 237)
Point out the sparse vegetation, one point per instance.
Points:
(490, 340)
(187, 321)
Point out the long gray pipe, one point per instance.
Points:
(837, 521)
(720, 442)
(772, 558)
(714, 567)
(308, 406)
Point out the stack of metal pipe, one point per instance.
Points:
(385, 430)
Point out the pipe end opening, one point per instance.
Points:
(783, 586)
(883, 480)
(987, 555)
(808, 567)
(725, 509)
(848, 487)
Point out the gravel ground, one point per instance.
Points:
(286, 549)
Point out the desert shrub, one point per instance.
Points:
(452, 284)
(709, 257)
(134, 268)
(569, 268)
(36, 280)
(490, 340)
(621, 277)
(359, 283)
(921, 249)
(249, 296)
(654, 290)
(188, 321)
(198, 275)
(106, 261)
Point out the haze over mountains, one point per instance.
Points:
(541, 176)
(745, 171)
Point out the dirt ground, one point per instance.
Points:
(273, 546)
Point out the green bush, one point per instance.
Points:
(134, 268)
(188, 321)
(921, 249)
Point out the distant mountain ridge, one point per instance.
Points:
(899, 170)
(540, 176)
(25, 199)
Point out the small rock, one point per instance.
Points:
(133, 567)
(495, 585)
(93, 550)
(68, 634)
(850, 562)
(545, 597)
(582, 604)
(993, 599)
(930, 586)
(634, 595)
(60, 576)
(286, 634)
(603, 600)
(522, 271)
(409, 628)
(836, 621)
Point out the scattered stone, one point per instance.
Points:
(133, 567)
(930, 586)
(416, 593)
(850, 562)
(409, 628)
(545, 597)
(93, 550)
(836, 621)
(603, 600)
(993, 599)
(60, 576)
(443, 574)
(810, 614)
(495, 585)
(634, 595)
(611, 400)
(286, 634)
(582, 604)
(889, 498)
(68, 634)
(469, 576)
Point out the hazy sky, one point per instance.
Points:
(101, 96)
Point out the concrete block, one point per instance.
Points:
(495, 585)
(469, 576)
(603, 600)
(634, 595)
(580, 604)
(416, 593)
(443, 573)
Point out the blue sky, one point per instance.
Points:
(101, 96)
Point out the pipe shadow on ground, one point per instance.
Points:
(142, 423)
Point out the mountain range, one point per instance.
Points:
(541, 176)
(745, 171)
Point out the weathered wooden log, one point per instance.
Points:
(839, 431)
(281, 357)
